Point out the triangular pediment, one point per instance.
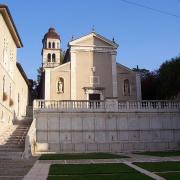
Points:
(93, 39)
(121, 69)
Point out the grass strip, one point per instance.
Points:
(84, 169)
(170, 175)
(124, 176)
(161, 153)
(159, 166)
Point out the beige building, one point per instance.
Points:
(89, 70)
(14, 83)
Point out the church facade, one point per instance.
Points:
(88, 71)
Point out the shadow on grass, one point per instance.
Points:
(78, 156)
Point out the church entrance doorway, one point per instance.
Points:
(94, 97)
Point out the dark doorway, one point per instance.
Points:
(94, 97)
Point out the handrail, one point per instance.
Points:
(107, 105)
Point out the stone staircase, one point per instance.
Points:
(12, 142)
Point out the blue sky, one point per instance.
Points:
(146, 38)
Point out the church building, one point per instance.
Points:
(87, 71)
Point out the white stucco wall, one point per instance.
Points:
(21, 90)
(14, 82)
(7, 68)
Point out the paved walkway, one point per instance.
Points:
(38, 172)
(141, 170)
(41, 167)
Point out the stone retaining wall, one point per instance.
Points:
(106, 132)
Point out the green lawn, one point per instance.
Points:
(160, 166)
(77, 156)
(164, 169)
(170, 175)
(162, 153)
(94, 172)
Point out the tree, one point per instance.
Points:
(149, 83)
(149, 86)
(163, 83)
(169, 79)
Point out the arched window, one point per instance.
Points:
(126, 87)
(49, 45)
(53, 58)
(53, 45)
(49, 57)
(60, 85)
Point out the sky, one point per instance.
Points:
(146, 38)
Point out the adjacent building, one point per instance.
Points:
(14, 83)
(88, 71)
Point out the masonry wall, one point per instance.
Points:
(107, 132)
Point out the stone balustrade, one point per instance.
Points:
(109, 105)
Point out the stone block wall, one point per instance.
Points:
(107, 132)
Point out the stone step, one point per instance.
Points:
(10, 177)
(27, 121)
(15, 169)
(15, 141)
(7, 150)
(19, 133)
(18, 171)
(22, 127)
(11, 155)
(11, 145)
(21, 148)
(18, 163)
(17, 137)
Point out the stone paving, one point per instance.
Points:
(38, 172)
(41, 167)
(15, 169)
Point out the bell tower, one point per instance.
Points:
(51, 51)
